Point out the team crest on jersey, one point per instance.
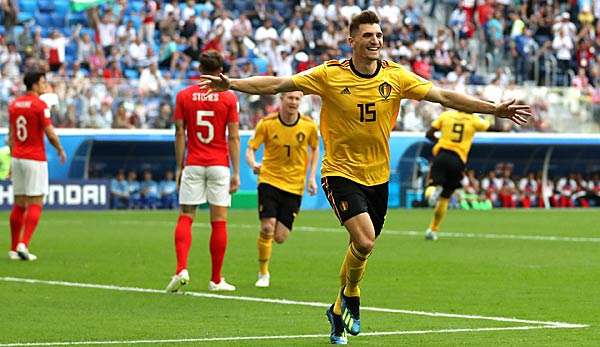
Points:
(385, 89)
(300, 137)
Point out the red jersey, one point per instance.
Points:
(28, 118)
(206, 118)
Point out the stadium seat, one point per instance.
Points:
(136, 6)
(58, 20)
(29, 6)
(46, 6)
(77, 18)
(43, 20)
(131, 73)
(61, 6)
(24, 16)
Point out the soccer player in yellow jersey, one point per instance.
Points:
(450, 151)
(287, 137)
(361, 98)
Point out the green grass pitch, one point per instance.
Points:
(524, 269)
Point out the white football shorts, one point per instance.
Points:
(200, 184)
(29, 177)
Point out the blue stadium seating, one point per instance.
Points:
(29, 6)
(43, 20)
(61, 6)
(58, 20)
(46, 6)
(136, 7)
(24, 16)
(131, 73)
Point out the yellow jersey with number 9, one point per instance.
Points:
(285, 158)
(457, 131)
(357, 115)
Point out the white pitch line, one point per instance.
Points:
(280, 337)
(384, 232)
(290, 302)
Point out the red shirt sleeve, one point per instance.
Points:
(233, 112)
(179, 107)
(45, 117)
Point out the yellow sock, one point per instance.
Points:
(356, 262)
(264, 252)
(337, 307)
(439, 213)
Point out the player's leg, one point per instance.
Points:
(453, 173)
(264, 245)
(35, 175)
(217, 188)
(289, 208)
(191, 194)
(351, 203)
(16, 224)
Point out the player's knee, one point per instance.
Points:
(267, 229)
(280, 237)
(364, 245)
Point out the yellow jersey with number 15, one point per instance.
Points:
(285, 158)
(358, 114)
(457, 131)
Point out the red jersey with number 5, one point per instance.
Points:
(206, 118)
(28, 117)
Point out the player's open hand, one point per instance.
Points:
(256, 168)
(234, 184)
(214, 83)
(519, 114)
(62, 156)
(312, 186)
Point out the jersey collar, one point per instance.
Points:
(359, 74)
(284, 123)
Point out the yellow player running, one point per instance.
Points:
(287, 137)
(361, 100)
(451, 151)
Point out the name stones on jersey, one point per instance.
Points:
(214, 97)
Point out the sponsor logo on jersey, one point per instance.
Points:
(346, 91)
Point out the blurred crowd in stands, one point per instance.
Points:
(128, 192)
(155, 45)
(500, 188)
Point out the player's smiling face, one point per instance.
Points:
(367, 42)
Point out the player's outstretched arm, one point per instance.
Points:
(53, 139)
(251, 85)
(179, 148)
(519, 114)
(233, 141)
(314, 162)
(251, 160)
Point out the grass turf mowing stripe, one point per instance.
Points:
(280, 337)
(291, 302)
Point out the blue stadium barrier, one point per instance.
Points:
(153, 149)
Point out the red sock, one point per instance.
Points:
(218, 244)
(16, 222)
(183, 241)
(32, 217)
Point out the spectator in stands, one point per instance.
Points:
(563, 46)
(10, 10)
(241, 31)
(149, 191)
(128, 31)
(134, 190)
(122, 118)
(566, 187)
(168, 191)
(523, 49)
(106, 28)
(491, 186)
(266, 37)
(292, 37)
(149, 21)
(164, 120)
(150, 81)
(169, 25)
(169, 57)
(119, 191)
(528, 190)
(55, 46)
(85, 47)
(137, 54)
(11, 59)
(203, 24)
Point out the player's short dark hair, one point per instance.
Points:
(365, 17)
(32, 77)
(211, 61)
